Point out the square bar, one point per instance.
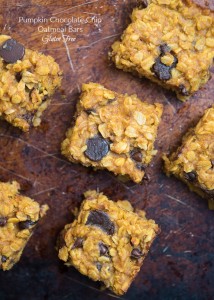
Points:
(18, 217)
(113, 131)
(193, 162)
(27, 80)
(108, 241)
(169, 42)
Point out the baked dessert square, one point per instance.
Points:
(113, 131)
(193, 162)
(18, 217)
(27, 80)
(108, 241)
(169, 42)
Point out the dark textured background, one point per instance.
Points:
(181, 262)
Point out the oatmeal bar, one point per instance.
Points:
(113, 131)
(193, 162)
(18, 217)
(108, 241)
(171, 42)
(27, 79)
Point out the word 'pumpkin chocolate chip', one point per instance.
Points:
(100, 219)
(97, 148)
(11, 51)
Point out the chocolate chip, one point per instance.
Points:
(164, 48)
(4, 258)
(190, 176)
(3, 221)
(140, 166)
(18, 76)
(103, 249)
(136, 155)
(136, 253)
(99, 266)
(100, 219)
(97, 148)
(173, 65)
(26, 224)
(142, 3)
(111, 101)
(161, 71)
(11, 51)
(212, 163)
(89, 111)
(78, 243)
(182, 90)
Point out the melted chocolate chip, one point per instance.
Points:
(212, 163)
(26, 224)
(99, 266)
(140, 166)
(18, 76)
(164, 48)
(182, 90)
(142, 3)
(89, 111)
(11, 51)
(100, 219)
(162, 71)
(136, 253)
(103, 249)
(3, 221)
(136, 155)
(97, 148)
(4, 258)
(111, 101)
(78, 243)
(173, 65)
(190, 176)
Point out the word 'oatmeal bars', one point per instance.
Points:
(27, 79)
(170, 42)
(108, 241)
(113, 131)
(193, 162)
(18, 217)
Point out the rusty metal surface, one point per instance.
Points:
(181, 262)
